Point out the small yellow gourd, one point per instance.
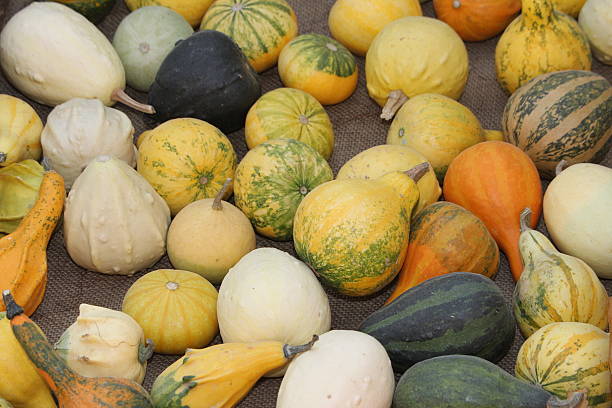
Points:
(20, 129)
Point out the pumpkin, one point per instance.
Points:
(114, 223)
(270, 295)
(400, 66)
(477, 20)
(446, 238)
(539, 41)
(23, 253)
(555, 287)
(94, 10)
(568, 356)
(379, 160)
(19, 184)
(20, 128)
(191, 10)
(577, 214)
(176, 309)
(570, 7)
(289, 113)
(272, 180)
(355, 23)
(496, 181)
(186, 160)
(561, 115)
(595, 20)
(144, 38)
(320, 66)
(79, 130)
(260, 28)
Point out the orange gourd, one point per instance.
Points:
(23, 253)
(495, 181)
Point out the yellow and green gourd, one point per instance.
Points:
(192, 10)
(94, 10)
(19, 185)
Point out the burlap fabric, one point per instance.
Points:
(357, 127)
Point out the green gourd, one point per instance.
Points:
(19, 185)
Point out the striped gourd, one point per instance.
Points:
(20, 129)
(260, 27)
(561, 115)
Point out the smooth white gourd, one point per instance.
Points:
(595, 19)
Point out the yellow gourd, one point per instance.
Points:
(19, 184)
(571, 7)
(20, 129)
(192, 10)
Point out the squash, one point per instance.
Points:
(354, 233)
(20, 128)
(272, 180)
(176, 309)
(114, 222)
(186, 160)
(23, 253)
(270, 295)
(568, 356)
(79, 130)
(446, 238)
(260, 28)
(191, 10)
(399, 65)
(491, 134)
(19, 185)
(144, 38)
(496, 181)
(320, 66)
(105, 343)
(94, 10)
(570, 7)
(555, 287)
(287, 113)
(71, 389)
(561, 115)
(379, 160)
(595, 19)
(344, 367)
(355, 23)
(577, 215)
(477, 20)
(539, 41)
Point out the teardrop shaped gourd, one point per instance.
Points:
(20, 128)
(19, 185)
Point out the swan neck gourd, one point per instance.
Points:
(537, 11)
(217, 202)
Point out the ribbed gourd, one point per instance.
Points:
(20, 129)
(19, 185)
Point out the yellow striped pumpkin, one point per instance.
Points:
(20, 129)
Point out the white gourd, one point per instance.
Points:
(114, 221)
(595, 19)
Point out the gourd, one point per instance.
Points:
(20, 128)
(94, 10)
(186, 160)
(355, 23)
(79, 130)
(23, 253)
(270, 295)
(595, 19)
(191, 10)
(261, 29)
(539, 41)
(144, 38)
(4, 403)
(560, 115)
(114, 223)
(344, 367)
(19, 185)
(577, 214)
(555, 287)
(287, 113)
(176, 309)
(71, 389)
(399, 66)
(446, 238)
(272, 180)
(496, 181)
(353, 242)
(477, 20)
(320, 66)
(570, 7)
(221, 375)
(379, 160)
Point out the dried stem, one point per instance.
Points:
(217, 205)
(395, 100)
(119, 95)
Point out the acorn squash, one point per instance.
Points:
(595, 19)
(20, 129)
(19, 185)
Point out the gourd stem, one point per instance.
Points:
(119, 95)
(395, 100)
(418, 171)
(560, 167)
(576, 399)
(145, 351)
(12, 308)
(2, 157)
(525, 216)
(217, 203)
(537, 10)
(290, 351)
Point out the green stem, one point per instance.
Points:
(145, 351)
(291, 351)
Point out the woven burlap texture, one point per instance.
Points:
(357, 127)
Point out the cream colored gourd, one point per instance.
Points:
(595, 19)
(79, 130)
(270, 295)
(344, 368)
(209, 236)
(20, 128)
(114, 222)
(105, 343)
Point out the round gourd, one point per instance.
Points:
(94, 10)
(343, 368)
(320, 66)
(271, 181)
(595, 19)
(20, 128)
(355, 23)
(191, 10)
(186, 160)
(144, 38)
(19, 185)
(260, 28)
(570, 7)
(209, 236)
(289, 113)
(176, 309)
